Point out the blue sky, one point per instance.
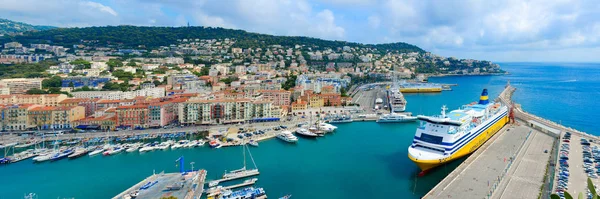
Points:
(500, 30)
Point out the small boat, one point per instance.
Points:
(253, 143)
(79, 151)
(306, 133)
(43, 157)
(201, 142)
(214, 144)
(133, 147)
(96, 152)
(180, 144)
(148, 147)
(62, 154)
(134, 194)
(246, 193)
(164, 145)
(113, 151)
(327, 127)
(5, 160)
(287, 136)
(191, 144)
(286, 196)
(396, 118)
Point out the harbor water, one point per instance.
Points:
(359, 160)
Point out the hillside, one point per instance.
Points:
(10, 27)
(153, 37)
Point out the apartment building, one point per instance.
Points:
(21, 85)
(90, 105)
(44, 100)
(14, 117)
(52, 117)
(223, 111)
(277, 97)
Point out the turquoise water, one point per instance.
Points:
(360, 160)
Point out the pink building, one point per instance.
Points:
(161, 113)
(277, 97)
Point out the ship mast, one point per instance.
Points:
(444, 111)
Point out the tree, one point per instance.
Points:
(343, 92)
(54, 81)
(131, 63)
(36, 91)
(122, 75)
(112, 63)
(289, 83)
(71, 84)
(156, 82)
(81, 64)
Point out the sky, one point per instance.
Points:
(498, 30)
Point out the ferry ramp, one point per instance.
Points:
(481, 172)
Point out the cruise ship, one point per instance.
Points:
(396, 100)
(449, 136)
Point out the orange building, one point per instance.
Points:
(89, 104)
(49, 117)
(134, 116)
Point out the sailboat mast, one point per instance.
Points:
(244, 152)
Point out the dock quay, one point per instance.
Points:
(518, 162)
(185, 185)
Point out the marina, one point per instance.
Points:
(350, 137)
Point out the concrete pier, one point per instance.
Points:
(512, 164)
(190, 185)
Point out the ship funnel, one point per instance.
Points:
(484, 97)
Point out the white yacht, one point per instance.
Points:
(305, 132)
(97, 151)
(287, 136)
(133, 147)
(393, 117)
(44, 157)
(180, 144)
(327, 127)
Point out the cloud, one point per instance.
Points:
(483, 29)
(59, 12)
(100, 7)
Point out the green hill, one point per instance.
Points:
(11, 27)
(153, 37)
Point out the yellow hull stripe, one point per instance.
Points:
(420, 90)
(465, 150)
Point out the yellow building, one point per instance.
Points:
(299, 105)
(14, 117)
(50, 117)
(316, 101)
(44, 100)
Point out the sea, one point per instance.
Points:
(359, 160)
